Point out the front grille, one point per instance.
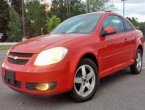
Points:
(21, 54)
(19, 58)
(17, 61)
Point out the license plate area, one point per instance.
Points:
(10, 77)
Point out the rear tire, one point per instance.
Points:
(86, 81)
(137, 66)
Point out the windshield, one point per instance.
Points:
(79, 24)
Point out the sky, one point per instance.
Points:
(133, 8)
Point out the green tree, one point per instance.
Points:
(4, 16)
(52, 23)
(96, 5)
(76, 7)
(66, 8)
(58, 8)
(17, 4)
(35, 18)
(134, 21)
(142, 27)
(14, 26)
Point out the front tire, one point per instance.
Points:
(137, 66)
(85, 81)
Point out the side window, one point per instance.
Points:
(115, 22)
(128, 26)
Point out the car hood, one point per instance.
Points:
(38, 44)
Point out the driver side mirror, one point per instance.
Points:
(108, 31)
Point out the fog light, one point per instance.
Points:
(42, 86)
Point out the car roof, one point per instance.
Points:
(103, 12)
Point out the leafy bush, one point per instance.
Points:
(52, 23)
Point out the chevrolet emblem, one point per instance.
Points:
(16, 58)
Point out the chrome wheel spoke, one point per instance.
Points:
(89, 86)
(139, 61)
(82, 89)
(140, 64)
(90, 75)
(83, 71)
(137, 65)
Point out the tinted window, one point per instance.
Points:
(115, 22)
(78, 24)
(128, 26)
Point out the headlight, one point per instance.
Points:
(50, 56)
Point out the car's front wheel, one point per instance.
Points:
(85, 81)
(137, 66)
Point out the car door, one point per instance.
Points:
(112, 46)
(130, 39)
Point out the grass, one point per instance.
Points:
(4, 47)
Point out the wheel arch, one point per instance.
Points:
(141, 48)
(92, 57)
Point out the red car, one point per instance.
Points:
(74, 56)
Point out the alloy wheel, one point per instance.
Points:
(84, 81)
(139, 61)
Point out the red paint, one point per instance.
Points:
(112, 53)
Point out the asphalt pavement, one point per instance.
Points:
(121, 91)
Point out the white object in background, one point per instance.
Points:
(24, 38)
(8, 43)
(1, 34)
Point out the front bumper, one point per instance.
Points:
(59, 73)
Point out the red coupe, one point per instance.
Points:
(74, 56)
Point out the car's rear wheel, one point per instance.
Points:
(85, 81)
(137, 66)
